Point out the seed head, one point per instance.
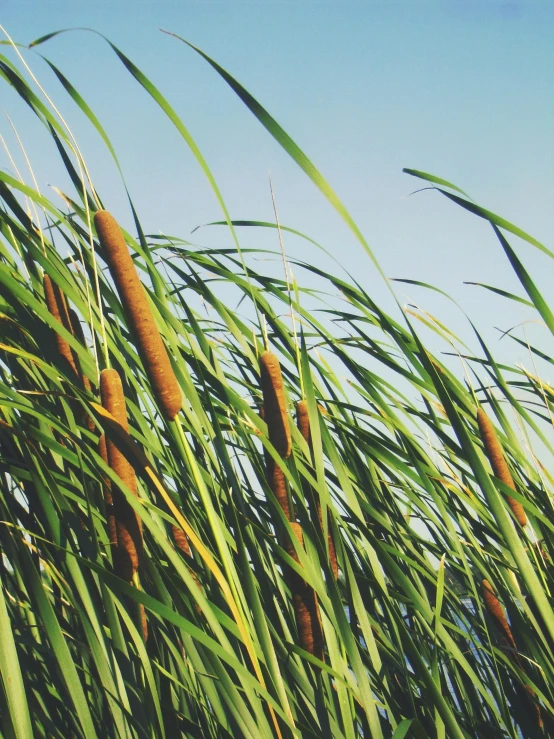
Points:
(139, 316)
(275, 404)
(127, 523)
(495, 455)
(306, 607)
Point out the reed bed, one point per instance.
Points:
(407, 649)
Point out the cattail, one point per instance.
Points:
(180, 540)
(278, 484)
(275, 404)
(57, 307)
(143, 622)
(182, 543)
(306, 607)
(495, 455)
(139, 316)
(303, 424)
(495, 610)
(128, 524)
(303, 421)
(274, 413)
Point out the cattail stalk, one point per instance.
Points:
(306, 607)
(303, 424)
(139, 316)
(495, 455)
(128, 525)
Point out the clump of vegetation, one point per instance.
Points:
(176, 563)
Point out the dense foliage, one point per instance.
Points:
(427, 570)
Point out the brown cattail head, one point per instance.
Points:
(303, 423)
(495, 455)
(278, 484)
(180, 539)
(143, 622)
(306, 607)
(128, 525)
(275, 404)
(57, 307)
(139, 316)
(182, 543)
(495, 610)
(276, 479)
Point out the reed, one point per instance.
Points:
(127, 524)
(495, 455)
(305, 605)
(303, 425)
(139, 316)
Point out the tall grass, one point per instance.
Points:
(410, 517)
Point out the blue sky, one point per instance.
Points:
(459, 88)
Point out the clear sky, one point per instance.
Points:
(463, 89)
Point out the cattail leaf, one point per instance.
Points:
(12, 680)
(432, 178)
(525, 279)
(502, 293)
(495, 220)
(294, 151)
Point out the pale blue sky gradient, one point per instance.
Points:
(461, 89)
